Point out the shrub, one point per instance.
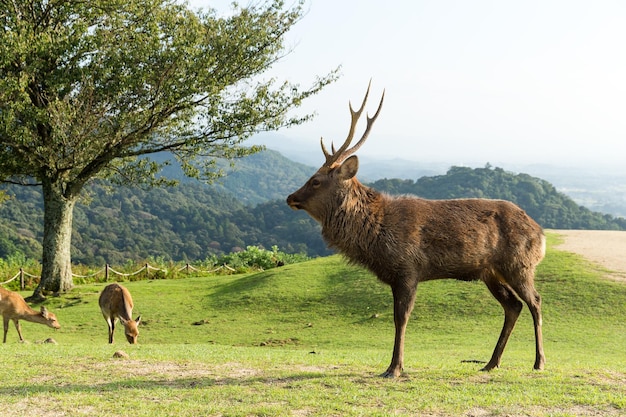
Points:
(255, 257)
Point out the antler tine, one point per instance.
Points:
(326, 154)
(370, 123)
(354, 116)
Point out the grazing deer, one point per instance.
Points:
(405, 240)
(14, 307)
(116, 303)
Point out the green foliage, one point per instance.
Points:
(258, 258)
(10, 268)
(87, 87)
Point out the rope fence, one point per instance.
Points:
(107, 271)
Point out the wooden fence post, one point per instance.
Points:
(22, 285)
(106, 273)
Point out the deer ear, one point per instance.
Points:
(44, 312)
(138, 320)
(349, 168)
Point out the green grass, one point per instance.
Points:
(311, 339)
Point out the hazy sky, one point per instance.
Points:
(466, 81)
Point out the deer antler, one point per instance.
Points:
(341, 154)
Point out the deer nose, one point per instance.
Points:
(292, 202)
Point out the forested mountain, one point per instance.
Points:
(188, 222)
(193, 221)
(258, 178)
(265, 176)
(538, 197)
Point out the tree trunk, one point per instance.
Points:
(56, 268)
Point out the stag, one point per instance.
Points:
(116, 303)
(405, 240)
(14, 307)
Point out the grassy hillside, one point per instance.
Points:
(311, 338)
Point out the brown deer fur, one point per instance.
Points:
(116, 303)
(14, 307)
(406, 240)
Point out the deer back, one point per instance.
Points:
(12, 304)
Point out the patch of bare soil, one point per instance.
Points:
(606, 248)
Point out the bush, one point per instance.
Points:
(255, 257)
(10, 267)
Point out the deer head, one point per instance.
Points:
(130, 329)
(49, 318)
(340, 166)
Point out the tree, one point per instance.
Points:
(92, 89)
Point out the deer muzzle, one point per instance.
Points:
(293, 202)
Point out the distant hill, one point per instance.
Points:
(255, 179)
(195, 221)
(264, 177)
(538, 197)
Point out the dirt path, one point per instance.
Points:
(604, 247)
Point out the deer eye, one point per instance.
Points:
(315, 182)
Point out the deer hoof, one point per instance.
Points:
(391, 373)
(488, 367)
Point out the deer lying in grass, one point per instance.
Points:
(14, 307)
(406, 240)
(116, 303)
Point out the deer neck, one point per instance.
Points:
(355, 219)
(126, 312)
(28, 314)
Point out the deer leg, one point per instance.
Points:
(403, 301)
(533, 300)
(18, 327)
(512, 309)
(111, 330)
(111, 326)
(6, 329)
